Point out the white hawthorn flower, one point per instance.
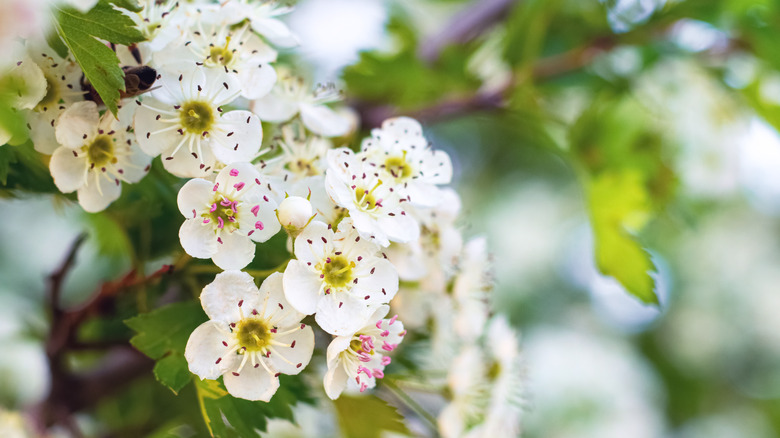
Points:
(262, 17)
(96, 155)
(156, 21)
(183, 121)
(226, 217)
(471, 289)
(300, 156)
(407, 160)
(237, 52)
(338, 275)
(358, 360)
(374, 206)
(431, 259)
(251, 337)
(63, 88)
(486, 382)
(291, 96)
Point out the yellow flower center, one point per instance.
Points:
(254, 334)
(101, 151)
(196, 117)
(338, 273)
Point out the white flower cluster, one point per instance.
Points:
(361, 223)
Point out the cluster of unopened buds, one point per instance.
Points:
(370, 227)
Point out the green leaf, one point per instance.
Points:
(227, 416)
(99, 63)
(7, 158)
(130, 5)
(162, 334)
(619, 205)
(55, 42)
(527, 28)
(173, 372)
(367, 417)
(111, 238)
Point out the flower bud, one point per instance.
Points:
(294, 214)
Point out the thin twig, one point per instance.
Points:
(410, 403)
(57, 278)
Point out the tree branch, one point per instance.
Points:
(465, 26)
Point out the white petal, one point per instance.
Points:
(258, 215)
(237, 179)
(323, 121)
(336, 346)
(252, 383)
(136, 164)
(341, 313)
(185, 165)
(335, 381)
(26, 84)
(275, 107)
(309, 245)
(221, 297)
(296, 357)
(381, 286)
(238, 137)
(194, 196)
(422, 193)
(402, 126)
(301, 286)
(69, 171)
(152, 134)
(198, 240)
(235, 252)
(276, 31)
(257, 80)
(400, 228)
(369, 227)
(98, 193)
(275, 303)
(205, 348)
(437, 168)
(42, 131)
(77, 125)
(259, 50)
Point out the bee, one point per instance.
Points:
(138, 80)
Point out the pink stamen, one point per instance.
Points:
(388, 347)
(386, 360)
(392, 320)
(255, 209)
(213, 207)
(233, 172)
(206, 220)
(216, 187)
(363, 387)
(379, 324)
(378, 373)
(221, 222)
(259, 225)
(385, 333)
(239, 186)
(226, 203)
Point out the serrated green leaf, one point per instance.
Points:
(162, 334)
(99, 63)
(130, 5)
(227, 416)
(173, 372)
(367, 417)
(619, 205)
(55, 42)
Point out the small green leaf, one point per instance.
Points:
(619, 205)
(163, 334)
(7, 158)
(99, 63)
(173, 372)
(227, 416)
(367, 417)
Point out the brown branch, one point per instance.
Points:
(71, 392)
(465, 26)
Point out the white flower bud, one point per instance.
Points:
(294, 213)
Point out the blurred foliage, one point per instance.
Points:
(367, 417)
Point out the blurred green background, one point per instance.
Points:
(584, 133)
